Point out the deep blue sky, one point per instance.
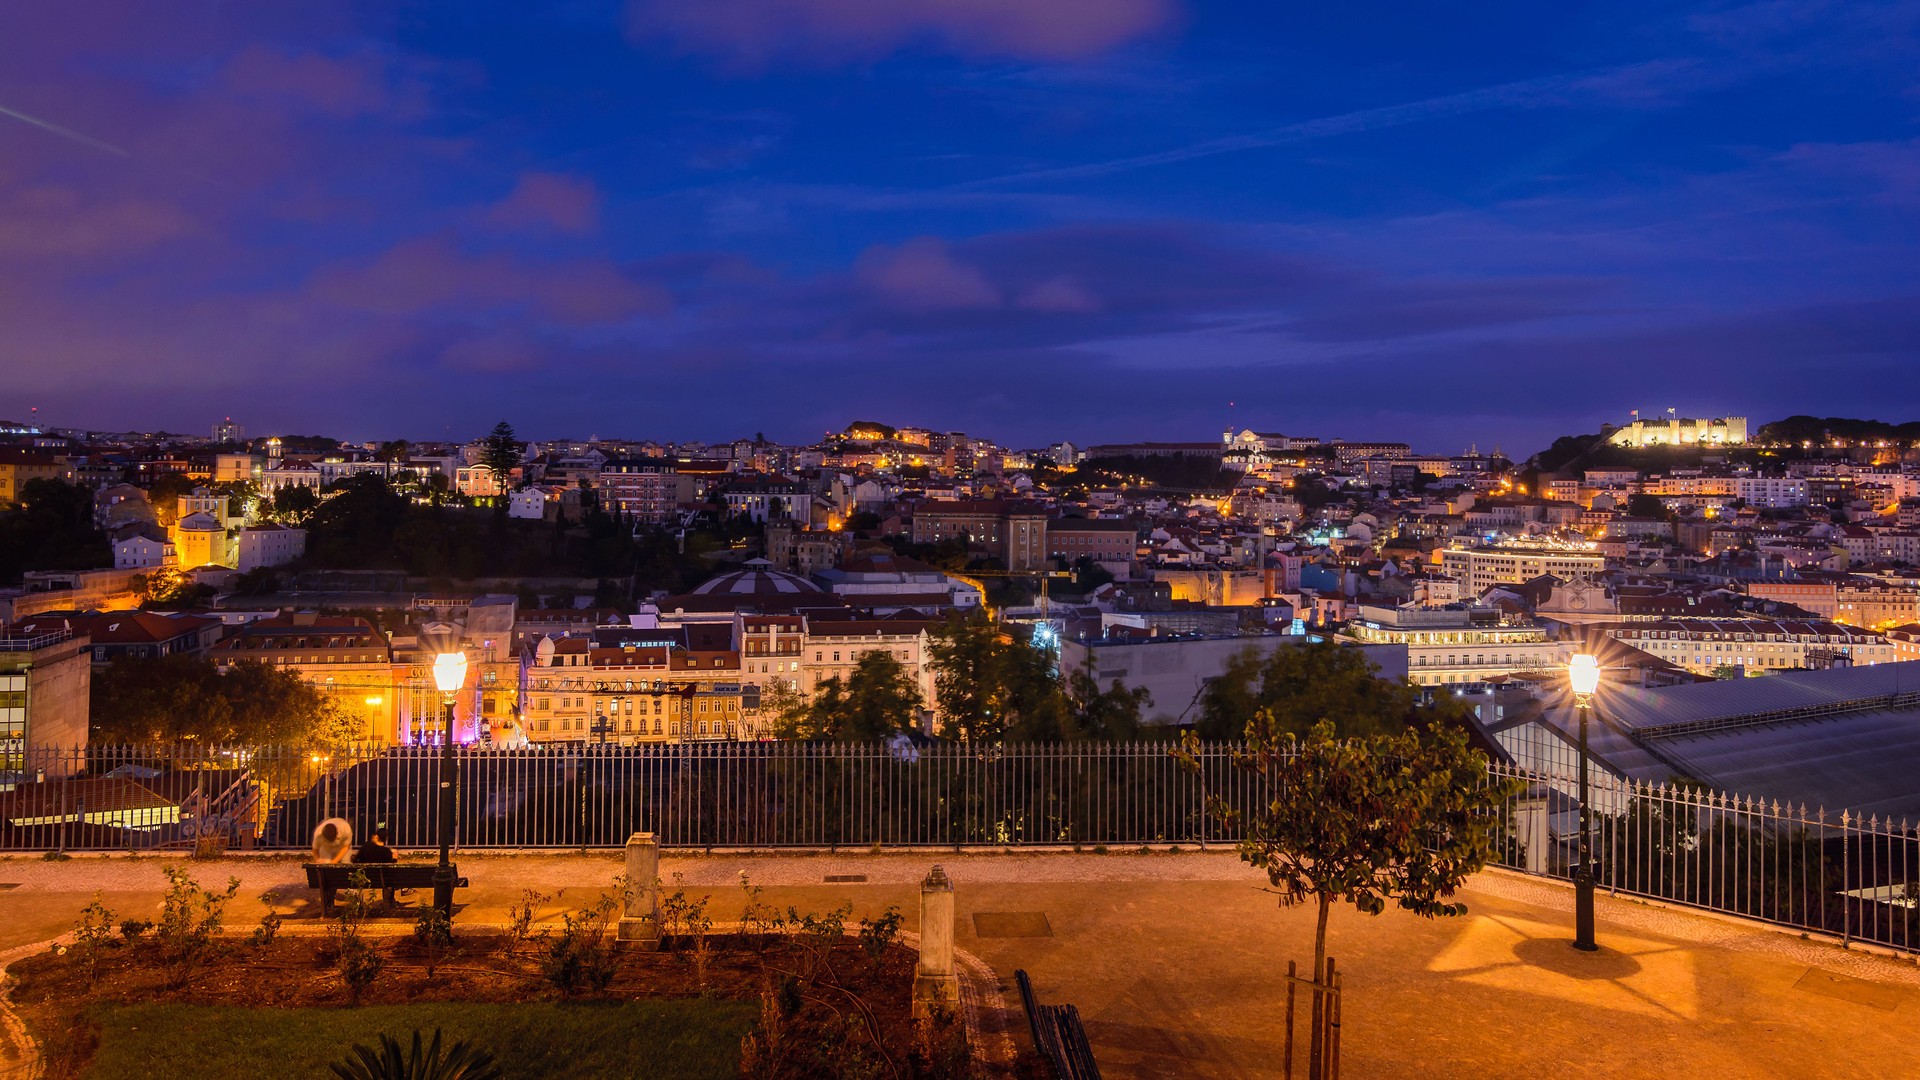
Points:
(1088, 219)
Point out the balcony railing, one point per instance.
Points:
(10, 642)
(1814, 869)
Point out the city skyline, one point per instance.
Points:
(228, 429)
(1103, 222)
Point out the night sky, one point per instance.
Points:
(1086, 219)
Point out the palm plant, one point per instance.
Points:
(459, 1061)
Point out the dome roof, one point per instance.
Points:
(758, 580)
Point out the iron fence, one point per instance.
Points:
(1830, 871)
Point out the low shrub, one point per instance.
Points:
(581, 954)
(93, 935)
(190, 919)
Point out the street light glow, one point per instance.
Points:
(1583, 671)
(450, 671)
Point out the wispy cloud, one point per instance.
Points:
(1549, 90)
(65, 133)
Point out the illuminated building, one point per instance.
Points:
(343, 656)
(1481, 567)
(1701, 645)
(1681, 431)
(1459, 644)
(18, 468)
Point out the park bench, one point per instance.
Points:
(330, 878)
(1058, 1036)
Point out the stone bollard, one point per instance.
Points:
(1530, 827)
(934, 982)
(640, 922)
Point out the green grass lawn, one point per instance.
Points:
(654, 1040)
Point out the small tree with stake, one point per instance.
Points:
(1401, 818)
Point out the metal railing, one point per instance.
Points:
(1836, 872)
(1813, 869)
(14, 642)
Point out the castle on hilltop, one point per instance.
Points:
(1681, 431)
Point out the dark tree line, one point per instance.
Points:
(50, 527)
(183, 698)
(367, 523)
(1299, 687)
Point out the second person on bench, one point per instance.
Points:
(375, 850)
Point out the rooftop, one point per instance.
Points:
(1848, 737)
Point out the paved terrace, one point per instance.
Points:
(1174, 960)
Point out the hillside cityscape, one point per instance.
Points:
(959, 540)
(760, 590)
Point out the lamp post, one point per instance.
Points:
(321, 762)
(449, 675)
(1583, 672)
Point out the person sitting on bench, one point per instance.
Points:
(375, 850)
(332, 841)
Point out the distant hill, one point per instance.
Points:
(1573, 453)
(1816, 430)
(1567, 450)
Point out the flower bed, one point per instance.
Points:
(793, 994)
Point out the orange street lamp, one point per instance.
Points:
(1583, 673)
(449, 675)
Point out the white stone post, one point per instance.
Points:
(934, 981)
(640, 922)
(1530, 822)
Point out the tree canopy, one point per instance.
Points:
(165, 492)
(185, 698)
(1377, 820)
(876, 701)
(294, 504)
(500, 452)
(1300, 686)
(50, 528)
(994, 685)
(367, 523)
(990, 686)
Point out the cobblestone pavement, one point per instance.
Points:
(1175, 960)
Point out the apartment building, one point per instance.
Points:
(648, 490)
(1100, 539)
(1881, 545)
(1459, 644)
(1013, 532)
(268, 545)
(835, 642)
(1482, 567)
(635, 694)
(1854, 601)
(117, 635)
(1702, 645)
(1351, 453)
(20, 467)
(1906, 642)
(46, 676)
(1771, 492)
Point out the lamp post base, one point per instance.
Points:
(443, 891)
